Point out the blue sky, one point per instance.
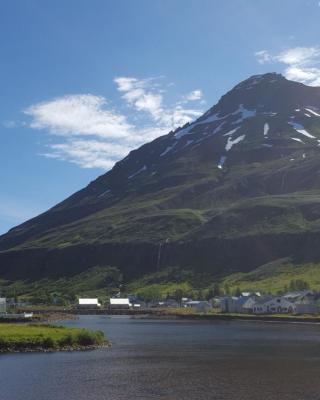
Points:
(83, 82)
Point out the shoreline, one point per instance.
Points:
(232, 318)
(10, 350)
(64, 315)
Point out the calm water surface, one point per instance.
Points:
(172, 359)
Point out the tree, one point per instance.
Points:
(209, 294)
(226, 289)
(298, 284)
(216, 290)
(177, 295)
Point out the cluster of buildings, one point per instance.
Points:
(299, 302)
(131, 302)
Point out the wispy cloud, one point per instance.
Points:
(142, 95)
(147, 96)
(83, 114)
(91, 133)
(193, 96)
(301, 63)
(88, 153)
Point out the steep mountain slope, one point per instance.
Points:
(237, 188)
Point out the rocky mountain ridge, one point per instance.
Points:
(236, 188)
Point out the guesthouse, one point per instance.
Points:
(120, 303)
(88, 303)
(198, 305)
(273, 305)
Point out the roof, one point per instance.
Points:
(264, 299)
(88, 301)
(273, 299)
(117, 301)
(298, 294)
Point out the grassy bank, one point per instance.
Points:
(38, 337)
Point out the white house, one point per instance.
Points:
(198, 305)
(229, 304)
(304, 301)
(3, 305)
(273, 305)
(233, 304)
(89, 303)
(248, 305)
(120, 303)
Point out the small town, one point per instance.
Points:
(300, 302)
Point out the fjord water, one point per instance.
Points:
(173, 359)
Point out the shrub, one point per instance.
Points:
(85, 338)
(67, 340)
(48, 343)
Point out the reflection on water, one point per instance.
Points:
(173, 359)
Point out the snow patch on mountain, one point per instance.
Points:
(168, 149)
(104, 193)
(231, 142)
(221, 162)
(300, 128)
(217, 129)
(297, 140)
(188, 143)
(313, 112)
(230, 133)
(266, 128)
(137, 172)
(244, 114)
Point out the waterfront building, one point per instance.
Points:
(88, 303)
(120, 303)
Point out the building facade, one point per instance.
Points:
(3, 305)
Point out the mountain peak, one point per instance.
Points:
(268, 78)
(266, 93)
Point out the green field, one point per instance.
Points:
(16, 337)
(275, 277)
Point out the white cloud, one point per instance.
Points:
(88, 132)
(310, 76)
(194, 95)
(144, 95)
(263, 56)
(299, 56)
(301, 63)
(83, 114)
(88, 153)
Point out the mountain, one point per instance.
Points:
(234, 190)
